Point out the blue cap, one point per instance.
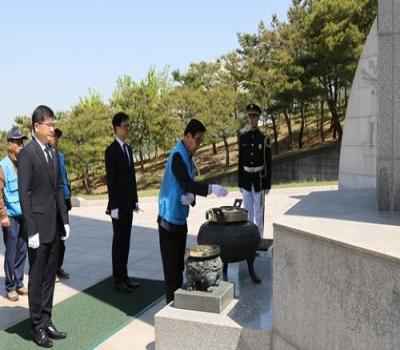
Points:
(15, 134)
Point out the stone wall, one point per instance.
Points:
(320, 164)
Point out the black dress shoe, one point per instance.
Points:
(62, 275)
(122, 287)
(42, 339)
(131, 283)
(53, 333)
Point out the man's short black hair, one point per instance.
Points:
(194, 126)
(41, 113)
(119, 118)
(58, 132)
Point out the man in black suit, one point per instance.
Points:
(123, 200)
(45, 221)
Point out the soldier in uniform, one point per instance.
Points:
(254, 173)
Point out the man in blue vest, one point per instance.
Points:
(11, 218)
(61, 273)
(178, 190)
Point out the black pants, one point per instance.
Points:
(61, 254)
(42, 276)
(120, 246)
(172, 247)
(62, 249)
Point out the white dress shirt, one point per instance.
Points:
(43, 147)
(122, 143)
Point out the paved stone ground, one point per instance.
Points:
(88, 259)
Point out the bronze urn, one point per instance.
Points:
(238, 238)
(203, 267)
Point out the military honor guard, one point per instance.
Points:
(254, 173)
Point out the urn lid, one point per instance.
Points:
(228, 214)
(204, 251)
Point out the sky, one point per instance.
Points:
(53, 52)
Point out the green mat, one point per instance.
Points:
(89, 317)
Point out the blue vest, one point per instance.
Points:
(11, 196)
(170, 207)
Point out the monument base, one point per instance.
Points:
(180, 329)
(336, 274)
(215, 301)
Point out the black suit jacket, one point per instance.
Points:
(121, 179)
(41, 193)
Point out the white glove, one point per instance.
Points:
(33, 241)
(266, 192)
(187, 199)
(219, 191)
(65, 237)
(114, 213)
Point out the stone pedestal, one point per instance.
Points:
(336, 274)
(215, 301)
(179, 329)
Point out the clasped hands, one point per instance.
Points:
(114, 213)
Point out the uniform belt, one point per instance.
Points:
(253, 169)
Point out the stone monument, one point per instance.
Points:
(388, 161)
(336, 257)
(370, 153)
(358, 153)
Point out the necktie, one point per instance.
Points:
(127, 153)
(49, 158)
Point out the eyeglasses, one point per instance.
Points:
(125, 126)
(49, 125)
(198, 141)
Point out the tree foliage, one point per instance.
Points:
(292, 69)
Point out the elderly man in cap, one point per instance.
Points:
(11, 218)
(61, 274)
(254, 173)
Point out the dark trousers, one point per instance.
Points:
(172, 247)
(15, 254)
(61, 254)
(120, 246)
(42, 275)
